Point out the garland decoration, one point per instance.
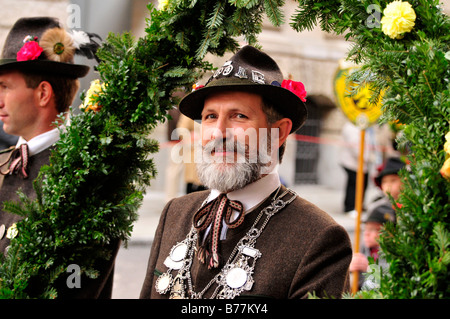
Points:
(445, 169)
(404, 50)
(89, 194)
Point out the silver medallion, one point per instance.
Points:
(177, 291)
(163, 283)
(227, 68)
(241, 73)
(250, 251)
(178, 252)
(169, 263)
(258, 77)
(2, 231)
(236, 277)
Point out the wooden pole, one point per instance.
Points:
(359, 204)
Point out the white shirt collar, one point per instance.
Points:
(253, 194)
(41, 142)
(250, 196)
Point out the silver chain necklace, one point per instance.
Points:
(235, 276)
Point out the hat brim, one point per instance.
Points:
(285, 102)
(46, 67)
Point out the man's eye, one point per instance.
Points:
(241, 116)
(209, 116)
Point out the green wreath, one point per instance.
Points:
(89, 194)
(404, 49)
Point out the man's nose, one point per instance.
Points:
(221, 130)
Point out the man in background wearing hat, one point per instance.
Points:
(38, 81)
(248, 235)
(379, 212)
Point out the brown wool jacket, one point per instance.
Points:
(90, 288)
(303, 251)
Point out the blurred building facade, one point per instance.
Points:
(311, 57)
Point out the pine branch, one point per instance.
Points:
(273, 11)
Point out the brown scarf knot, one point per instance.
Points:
(17, 162)
(212, 214)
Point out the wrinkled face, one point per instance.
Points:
(233, 115)
(17, 104)
(235, 140)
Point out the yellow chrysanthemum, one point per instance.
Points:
(445, 170)
(162, 5)
(447, 143)
(94, 90)
(12, 231)
(398, 18)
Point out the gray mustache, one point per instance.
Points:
(225, 144)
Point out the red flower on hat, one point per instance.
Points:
(197, 86)
(30, 51)
(295, 87)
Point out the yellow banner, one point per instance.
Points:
(357, 108)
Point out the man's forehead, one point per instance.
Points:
(10, 74)
(233, 99)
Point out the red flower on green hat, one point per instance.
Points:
(295, 87)
(30, 51)
(197, 86)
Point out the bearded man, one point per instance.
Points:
(248, 235)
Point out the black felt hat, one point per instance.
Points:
(40, 44)
(381, 214)
(249, 70)
(392, 166)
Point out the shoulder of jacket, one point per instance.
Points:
(188, 202)
(6, 150)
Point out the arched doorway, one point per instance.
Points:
(308, 140)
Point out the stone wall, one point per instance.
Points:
(11, 10)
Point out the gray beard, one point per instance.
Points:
(228, 175)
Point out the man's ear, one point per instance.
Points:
(44, 93)
(285, 126)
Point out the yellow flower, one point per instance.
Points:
(12, 231)
(162, 5)
(94, 90)
(447, 143)
(445, 170)
(398, 19)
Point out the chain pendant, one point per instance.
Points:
(177, 291)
